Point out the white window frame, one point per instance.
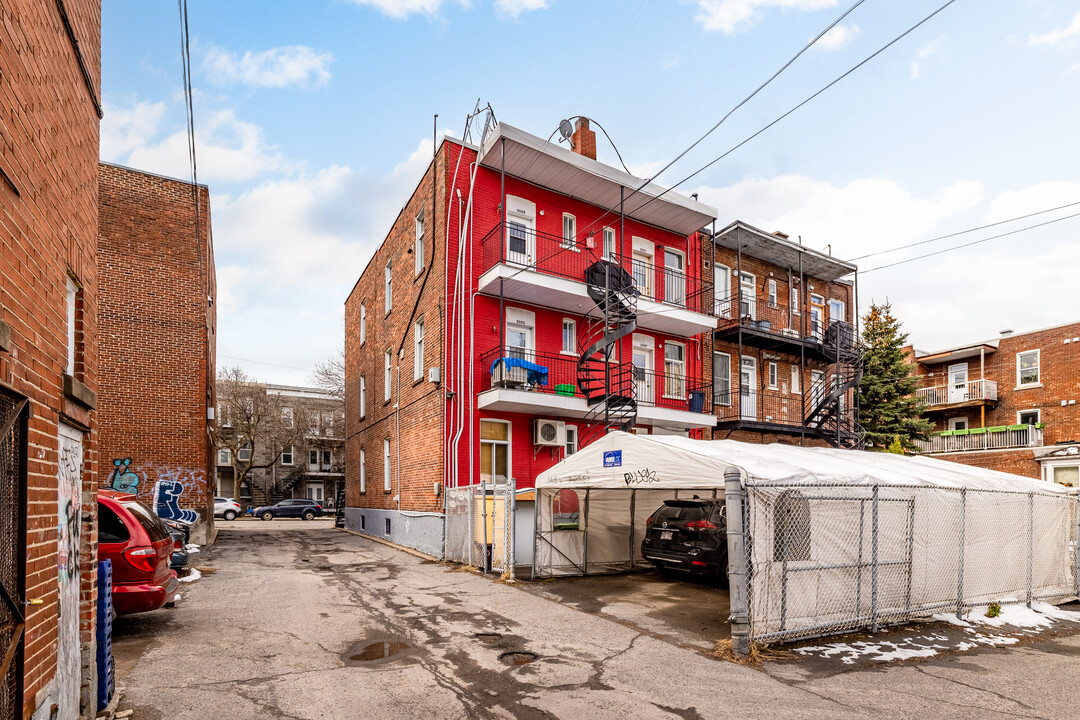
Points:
(1037, 411)
(727, 394)
(226, 454)
(418, 350)
(569, 232)
(793, 299)
(722, 303)
(328, 424)
(72, 294)
(955, 420)
(796, 380)
(509, 449)
(241, 452)
(774, 375)
(388, 376)
(387, 470)
(571, 326)
(363, 471)
(287, 418)
(287, 451)
(388, 288)
(773, 298)
(1050, 466)
(363, 323)
(571, 431)
(748, 283)
(313, 460)
(610, 246)
(1038, 369)
(674, 277)
(832, 303)
(363, 396)
(667, 375)
(418, 249)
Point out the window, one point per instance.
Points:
(674, 370)
(571, 440)
(287, 417)
(721, 290)
(386, 376)
(287, 455)
(958, 423)
(363, 323)
(1027, 368)
(517, 241)
(817, 316)
(794, 300)
(674, 277)
(836, 310)
(327, 459)
(772, 292)
(747, 296)
(328, 423)
(1068, 475)
(224, 456)
(418, 248)
(111, 529)
(721, 374)
(494, 452)
(363, 396)
(569, 336)
(520, 333)
(1027, 417)
(72, 292)
(795, 380)
(243, 454)
(774, 375)
(313, 459)
(389, 290)
(566, 510)
(611, 251)
(386, 464)
(418, 350)
(363, 471)
(569, 231)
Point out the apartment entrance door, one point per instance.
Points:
(748, 388)
(643, 374)
(958, 379)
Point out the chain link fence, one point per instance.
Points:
(479, 526)
(825, 559)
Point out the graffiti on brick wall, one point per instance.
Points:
(123, 479)
(170, 486)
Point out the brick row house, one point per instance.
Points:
(50, 55)
(1009, 403)
(527, 299)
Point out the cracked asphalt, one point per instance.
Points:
(287, 612)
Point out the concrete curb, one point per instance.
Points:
(402, 548)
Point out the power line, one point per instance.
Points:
(969, 244)
(964, 232)
(260, 362)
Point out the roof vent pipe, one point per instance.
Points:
(1007, 332)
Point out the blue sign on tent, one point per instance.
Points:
(613, 458)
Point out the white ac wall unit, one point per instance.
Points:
(549, 433)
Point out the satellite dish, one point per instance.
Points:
(566, 129)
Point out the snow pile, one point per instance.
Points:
(1039, 615)
(878, 652)
(192, 576)
(192, 548)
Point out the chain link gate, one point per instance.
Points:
(479, 526)
(14, 413)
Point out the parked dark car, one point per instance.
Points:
(181, 533)
(306, 509)
(140, 546)
(689, 535)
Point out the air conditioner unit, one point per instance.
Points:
(549, 432)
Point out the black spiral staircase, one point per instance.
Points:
(825, 411)
(608, 387)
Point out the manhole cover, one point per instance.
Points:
(518, 657)
(488, 637)
(378, 651)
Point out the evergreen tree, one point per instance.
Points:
(888, 408)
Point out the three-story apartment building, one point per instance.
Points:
(1008, 404)
(526, 299)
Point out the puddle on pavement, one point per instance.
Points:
(518, 657)
(376, 651)
(488, 637)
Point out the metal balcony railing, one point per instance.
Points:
(771, 406)
(993, 438)
(553, 255)
(758, 314)
(958, 392)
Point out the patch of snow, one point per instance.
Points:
(951, 619)
(964, 646)
(1052, 611)
(192, 576)
(176, 597)
(1015, 615)
(192, 548)
(874, 652)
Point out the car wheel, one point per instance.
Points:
(268, 515)
(309, 514)
(230, 515)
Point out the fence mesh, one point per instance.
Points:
(827, 559)
(479, 526)
(12, 554)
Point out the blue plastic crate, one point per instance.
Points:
(106, 665)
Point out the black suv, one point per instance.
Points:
(306, 509)
(688, 535)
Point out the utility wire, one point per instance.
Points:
(260, 362)
(964, 232)
(969, 244)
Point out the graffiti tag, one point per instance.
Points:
(640, 477)
(123, 479)
(70, 520)
(167, 501)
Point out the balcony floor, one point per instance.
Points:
(772, 341)
(564, 406)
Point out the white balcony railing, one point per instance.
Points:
(958, 392)
(996, 438)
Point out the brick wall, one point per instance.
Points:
(157, 318)
(1018, 462)
(48, 225)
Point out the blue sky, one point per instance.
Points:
(314, 124)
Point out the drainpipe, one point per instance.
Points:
(738, 578)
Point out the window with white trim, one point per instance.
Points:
(418, 350)
(774, 375)
(494, 452)
(363, 396)
(571, 440)
(569, 231)
(287, 417)
(796, 378)
(611, 251)
(837, 312)
(224, 456)
(244, 454)
(772, 292)
(386, 465)
(387, 376)
(958, 423)
(418, 248)
(793, 299)
(569, 336)
(363, 323)
(363, 471)
(1027, 368)
(674, 369)
(287, 455)
(388, 289)
(1028, 417)
(721, 372)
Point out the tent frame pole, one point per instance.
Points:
(738, 578)
(633, 503)
(585, 551)
(536, 530)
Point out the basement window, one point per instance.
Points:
(387, 526)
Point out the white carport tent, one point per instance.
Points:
(886, 537)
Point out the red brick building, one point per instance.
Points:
(1008, 404)
(157, 319)
(511, 315)
(51, 59)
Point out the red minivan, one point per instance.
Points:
(139, 545)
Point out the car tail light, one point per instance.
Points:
(649, 521)
(697, 562)
(141, 558)
(700, 525)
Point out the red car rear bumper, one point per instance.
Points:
(131, 598)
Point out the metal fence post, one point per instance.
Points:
(511, 504)
(738, 578)
(1030, 543)
(1076, 547)
(471, 538)
(960, 561)
(874, 563)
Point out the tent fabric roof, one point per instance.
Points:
(628, 461)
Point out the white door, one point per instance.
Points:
(748, 388)
(817, 387)
(747, 296)
(520, 241)
(721, 291)
(69, 500)
(643, 375)
(315, 492)
(958, 379)
(642, 267)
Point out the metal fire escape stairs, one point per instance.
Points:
(826, 411)
(608, 387)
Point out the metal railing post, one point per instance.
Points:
(738, 578)
(874, 562)
(510, 529)
(960, 562)
(1030, 542)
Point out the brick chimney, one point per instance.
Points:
(584, 139)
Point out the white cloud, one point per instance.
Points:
(839, 37)
(731, 16)
(401, 9)
(273, 68)
(1034, 198)
(514, 8)
(1057, 35)
(924, 52)
(124, 129)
